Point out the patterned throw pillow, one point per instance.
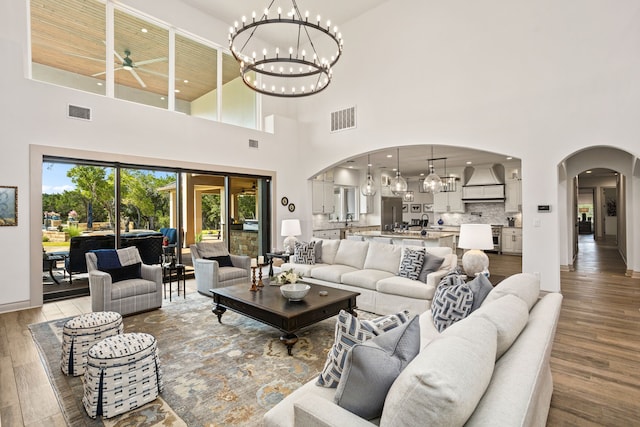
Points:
(451, 303)
(350, 331)
(305, 252)
(411, 263)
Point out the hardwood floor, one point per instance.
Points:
(595, 358)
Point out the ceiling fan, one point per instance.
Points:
(126, 63)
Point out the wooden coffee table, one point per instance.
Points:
(268, 306)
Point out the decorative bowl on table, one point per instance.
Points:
(294, 291)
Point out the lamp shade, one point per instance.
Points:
(475, 236)
(290, 227)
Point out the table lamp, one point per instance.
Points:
(476, 238)
(290, 228)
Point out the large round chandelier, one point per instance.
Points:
(301, 67)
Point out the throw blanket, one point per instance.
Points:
(107, 259)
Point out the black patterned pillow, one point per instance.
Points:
(349, 332)
(411, 263)
(451, 303)
(305, 252)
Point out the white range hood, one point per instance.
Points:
(484, 185)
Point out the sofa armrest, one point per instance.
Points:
(433, 279)
(241, 261)
(152, 273)
(311, 411)
(100, 288)
(206, 272)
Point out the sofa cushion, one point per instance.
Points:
(450, 304)
(305, 252)
(223, 260)
(396, 285)
(211, 249)
(301, 269)
(132, 287)
(381, 256)
(523, 285)
(367, 279)
(350, 331)
(509, 315)
(431, 263)
(351, 253)
(437, 388)
(480, 286)
(373, 366)
(332, 273)
(411, 263)
(229, 273)
(329, 250)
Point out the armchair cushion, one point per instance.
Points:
(223, 260)
(125, 272)
(107, 259)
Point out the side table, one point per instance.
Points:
(271, 255)
(167, 275)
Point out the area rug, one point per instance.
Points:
(214, 374)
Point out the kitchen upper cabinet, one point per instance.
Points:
(322, 197)
(450, 201)
(511, 240)
(513, 200)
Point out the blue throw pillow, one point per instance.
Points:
(125, 272)
(223, 260)
(107, 258)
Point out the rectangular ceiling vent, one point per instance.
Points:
(343, 119)
(76, 112)
(253, 143)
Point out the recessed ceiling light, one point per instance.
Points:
(389, 156)
(469, 162)
(588, 172)
(369, 165)
(144, 30)
(162, 98)
(177, 91)
(509, 158)
(99, 83)
(186, 81)
(394, 169)
(422, 174)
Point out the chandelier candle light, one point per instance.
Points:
(300, 68)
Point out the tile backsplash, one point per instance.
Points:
(480, 213)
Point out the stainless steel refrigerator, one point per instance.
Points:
(391, 213)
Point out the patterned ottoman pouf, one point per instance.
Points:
(81, 332)
(123, 373)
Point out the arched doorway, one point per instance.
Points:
(611, 176)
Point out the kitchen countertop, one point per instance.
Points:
(431, 235)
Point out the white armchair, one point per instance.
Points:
(131, 295)
(214, 267)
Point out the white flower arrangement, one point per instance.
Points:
(288, 276)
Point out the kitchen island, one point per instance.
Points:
(432, 238)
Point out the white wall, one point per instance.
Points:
(535, 80)
(33, 122)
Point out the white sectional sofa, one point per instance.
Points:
(371, 268)
(489, 369)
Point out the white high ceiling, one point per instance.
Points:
(413, 159)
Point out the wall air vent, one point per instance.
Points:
(343, 119)
(253, 143)
(76, 112)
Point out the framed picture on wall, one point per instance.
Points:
(405, 208)
(8, 206)
(416, 208)
(427, 207)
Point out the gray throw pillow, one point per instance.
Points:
(318, 249)
(431, 263)
(349, 332)
(411, 263)
(450, 304)
(372, 367)
(480, 286)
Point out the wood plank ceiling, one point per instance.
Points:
(70, 35)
